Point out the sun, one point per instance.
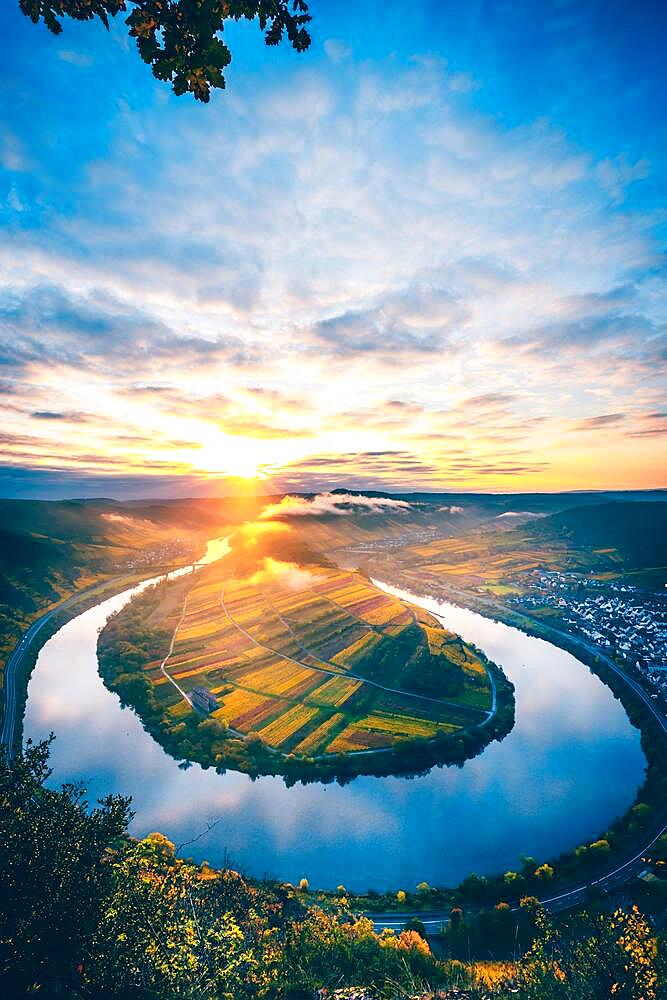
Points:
(246, 456)
(241, 458)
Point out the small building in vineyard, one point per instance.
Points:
(203, 700)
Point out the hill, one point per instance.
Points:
(308, 668)
(636, 533)
(50, 549)
(86, 911)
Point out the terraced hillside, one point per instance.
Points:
(605, 542)
(332, 666)
(304, 663)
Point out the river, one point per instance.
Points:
(572, 763)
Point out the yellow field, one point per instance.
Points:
(335, 692)
(345, 743)
(278, 677)
(238, 702)
(277, 732)
(385, 614)
(320, 736)
(278, 659)
(399, 725)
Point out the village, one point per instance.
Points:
(628, 622)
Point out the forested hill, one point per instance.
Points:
(48, 549)
(637, 531)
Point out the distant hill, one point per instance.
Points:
(638, 532)
(50, 548)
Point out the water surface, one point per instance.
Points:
(572, 763)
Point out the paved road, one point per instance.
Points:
(609, 880)
(433, 920)
(630, 681)
(7, 736)
(453, 595)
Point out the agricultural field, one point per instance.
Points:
(486, 562)
(605, 542)
(315, 661)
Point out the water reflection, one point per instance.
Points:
(545, 788)
(216, 548)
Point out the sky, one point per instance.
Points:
(429, 253)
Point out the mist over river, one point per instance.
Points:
(572, 763)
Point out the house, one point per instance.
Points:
(203, 700)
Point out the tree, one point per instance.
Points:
(54, 874)
(180, 39)
(593, 955)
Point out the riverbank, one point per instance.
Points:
(22, 659)
(618, 854)
(386, 832)
(288, 709)
(90, 910)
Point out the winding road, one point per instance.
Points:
(434, 920)
(8, 735)
(336, 671)
(606, 881)
(493, 611)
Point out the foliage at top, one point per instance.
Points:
(180, 39)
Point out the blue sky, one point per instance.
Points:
(427, 253)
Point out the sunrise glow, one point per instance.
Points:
(353, 271)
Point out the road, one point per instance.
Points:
(465, 600)
(606, 882)
(163, 665)
(432, 920)
(630, 681)
(7, 738)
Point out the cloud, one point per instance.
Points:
(600, 422)
(351, 260)
(71, 416)
(80, 59)
(608, 328)
(419, 320)
(648, 425)
(327, 504)
(288, 575)
(519, 513)
(618, 173)
(337, 50)
(49, 324)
